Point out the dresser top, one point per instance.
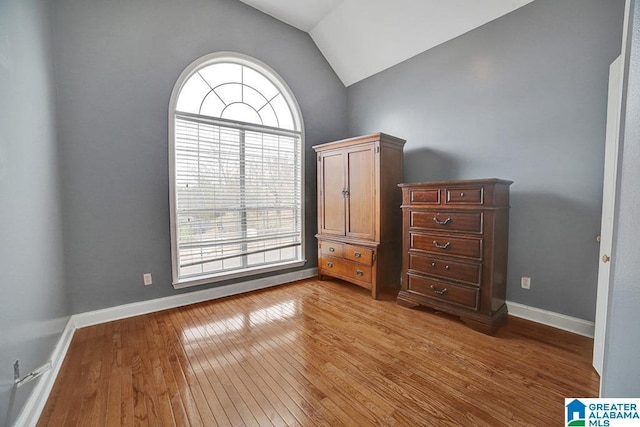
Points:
(456, 183)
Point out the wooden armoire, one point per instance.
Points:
(359, 217)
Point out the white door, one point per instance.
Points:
(608, 195)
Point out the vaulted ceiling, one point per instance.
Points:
(360, 38)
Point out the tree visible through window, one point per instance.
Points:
(236, 165)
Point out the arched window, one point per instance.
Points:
(235, 150)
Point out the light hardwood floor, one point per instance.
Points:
(316, 353)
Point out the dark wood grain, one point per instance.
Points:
(316, 353)
(455, 259)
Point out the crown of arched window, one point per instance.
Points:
(235, 92)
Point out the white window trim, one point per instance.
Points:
(286, 92)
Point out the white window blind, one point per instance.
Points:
(237, 182)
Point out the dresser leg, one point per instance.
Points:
(490, 326)
(403, 301)
(485, 328)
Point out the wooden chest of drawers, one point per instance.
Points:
(455, 237)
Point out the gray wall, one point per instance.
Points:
(523, 98)
(621, 372)
(116, 64)
(33, 307)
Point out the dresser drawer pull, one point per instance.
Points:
(439, 246)
(360, 272)
(330, 264)
(445, 222)
(461, 194)
(439, 292)
(434, 265)
(332, 249)
(357, 254)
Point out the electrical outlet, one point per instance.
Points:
(525, 282)
(147, 279)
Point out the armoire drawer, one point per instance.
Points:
(342, 267)
(445, 291)
(445, 268)
(358, 254)
(447, 221)
(446, 245)
(331, 248)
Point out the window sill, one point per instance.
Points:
(213, 278)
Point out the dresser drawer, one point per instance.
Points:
(446, 245)
(424, 196)
(358, 254)
(445, 268)
(464, 196)
(348, 269)
(468, 222)
(332, 248)
(444, 291)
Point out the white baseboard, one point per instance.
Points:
(32, 409)
(151, 306)
(550, 318)
(35, 403)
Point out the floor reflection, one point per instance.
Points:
(243, 322)
(281, 311)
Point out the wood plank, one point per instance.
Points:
(99, 407)
(164, 372)
(68, 413)
(249, 389)
(57, 404)
(305, 384)
(133, 358)
(114, 379)
(174, 356)
(127, 402)
(206, 401)
(328, 381)
(316, 353)
(219, 371)
(153, 374)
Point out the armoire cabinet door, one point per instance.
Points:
(332, 199)
(360, 201)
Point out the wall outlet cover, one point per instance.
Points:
(147, 279)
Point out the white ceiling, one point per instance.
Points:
(360, 38)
